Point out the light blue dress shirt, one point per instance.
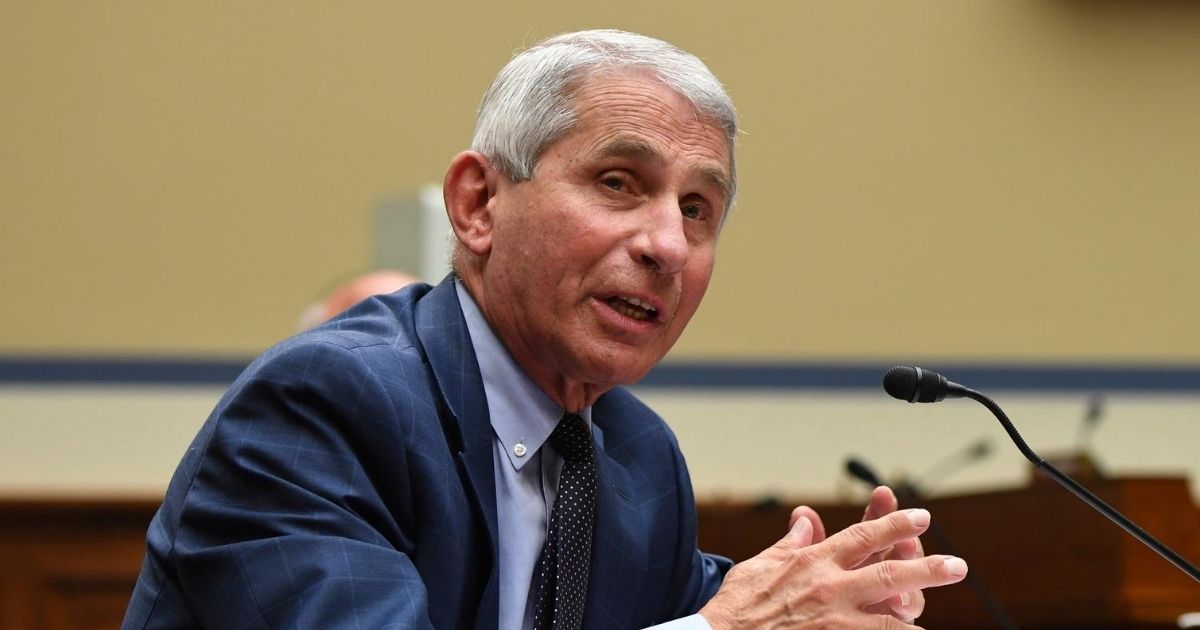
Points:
(523, 417)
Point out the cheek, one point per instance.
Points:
(697, 277)
(694, 286)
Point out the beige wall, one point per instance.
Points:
(126, 441)
(1025, 175)
(1020, 177)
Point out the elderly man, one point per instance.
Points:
(463, 456)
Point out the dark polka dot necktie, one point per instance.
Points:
(567, 553)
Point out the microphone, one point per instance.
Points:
(1091, 420)
(916, 385)
(863, 473)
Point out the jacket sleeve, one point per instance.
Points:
(698, 574)
(278, 517)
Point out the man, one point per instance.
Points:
(463, 456)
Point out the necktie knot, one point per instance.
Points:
(572, 439)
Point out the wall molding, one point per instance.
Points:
(699, 375)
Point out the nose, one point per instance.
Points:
(661, 243)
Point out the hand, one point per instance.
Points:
(904, 606)
(830, 583)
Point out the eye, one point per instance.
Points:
(614, 182)
(695, 207)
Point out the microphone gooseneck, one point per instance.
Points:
(1007, 424)
(903, 378)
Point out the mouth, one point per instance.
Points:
(632, 308)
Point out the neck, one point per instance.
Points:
(572, 395)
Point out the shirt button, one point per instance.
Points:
(519, 450)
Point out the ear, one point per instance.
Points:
(468, 190)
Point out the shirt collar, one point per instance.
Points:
(520, 411)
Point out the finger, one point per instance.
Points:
(879, 556)
(876, 621)
(894, 606)
(883, 502)
(908, 549)
(856, 543)
(813, 517)
(891, 623)
(912, 608)
(906, 606)
(800, 535)
(878, 582)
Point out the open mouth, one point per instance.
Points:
(632, 307)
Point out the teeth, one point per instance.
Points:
(629, 311)
(632, 307)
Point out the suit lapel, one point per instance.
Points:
(447, 344)
(619, 523)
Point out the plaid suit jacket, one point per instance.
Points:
(345, 480)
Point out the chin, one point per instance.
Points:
(616, 372)
(609, 363)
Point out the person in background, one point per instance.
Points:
(465, 455)
(378, 282)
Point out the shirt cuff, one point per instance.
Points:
(694, 622)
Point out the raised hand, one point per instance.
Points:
(852, 579)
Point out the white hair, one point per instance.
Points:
(530, 104)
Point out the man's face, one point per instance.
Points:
(600, 259)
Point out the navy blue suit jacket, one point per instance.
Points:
(346, 481)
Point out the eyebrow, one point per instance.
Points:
(638, 149)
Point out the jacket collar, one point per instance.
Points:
(446, 341)
(443, 335)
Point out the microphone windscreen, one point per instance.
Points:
(901, 382)
(862, 472)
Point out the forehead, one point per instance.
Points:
(635, 115)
